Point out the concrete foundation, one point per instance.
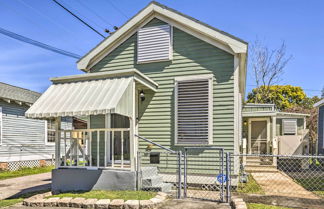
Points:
(74, 179)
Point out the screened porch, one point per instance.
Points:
(108, 102)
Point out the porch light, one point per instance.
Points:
(244, 123)
(142, 95)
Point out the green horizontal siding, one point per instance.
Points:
(191, 56)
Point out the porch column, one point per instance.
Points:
(274, 140)
(107, 139)
(249, 136)
(57, 142)
(132, 132)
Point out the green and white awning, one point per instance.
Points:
(90, 94)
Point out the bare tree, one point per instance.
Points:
(268, 67)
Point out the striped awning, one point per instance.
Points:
(85, 97)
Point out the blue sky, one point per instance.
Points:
(299, 23)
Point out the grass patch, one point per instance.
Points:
(251, 187)
(311, 184)
(319, 193)
(100, 194)
(13, 201)
(262, 206)
(24, 172)
(315, 184)
(6, 203)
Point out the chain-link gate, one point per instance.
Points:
(206, 174)
(159, 171)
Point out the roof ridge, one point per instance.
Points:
(170, 9)
(196, 20)
(18, 87)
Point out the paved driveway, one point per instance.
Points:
(17, 186)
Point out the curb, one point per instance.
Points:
(238, 203)
(40, 200)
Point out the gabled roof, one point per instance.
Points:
(206, 32)
(17, 94)
(320, 103)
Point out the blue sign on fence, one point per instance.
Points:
(221, 178)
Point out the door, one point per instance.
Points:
(258, 136)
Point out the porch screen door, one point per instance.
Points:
(259, 137)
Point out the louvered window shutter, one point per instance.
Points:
(193, 111)
(289, 126)
(154, 44)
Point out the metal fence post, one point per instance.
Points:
(228, 177)
(179, 174)
(222, 176)
(185, 174)
(138, 171)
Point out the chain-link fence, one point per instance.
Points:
(159, 171)
(291, 181)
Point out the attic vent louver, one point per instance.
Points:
(154, 44)
(289, 126)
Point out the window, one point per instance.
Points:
(194, 103)
(50, 131)
(154, 44)
(289, 126)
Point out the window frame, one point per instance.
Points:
(210, 79)
(46, 133)
(170, 58)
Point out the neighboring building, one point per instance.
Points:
(320, 127)
(269, 131)
(162, 75)
(24, 142)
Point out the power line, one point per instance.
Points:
(37, 43)
(119, 10)
(95, 13)
(83, 16)
(89, 26)
(51, 20)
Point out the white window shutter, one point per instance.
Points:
(154, 44)
(193, 111)
(289, 126)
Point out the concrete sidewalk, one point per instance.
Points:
(21, 185)
(280, 184)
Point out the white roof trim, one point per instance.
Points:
(140, 77)
(320, 103)
(292, 114)
(154, 9)
(274, 113)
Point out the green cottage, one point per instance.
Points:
(162, 77)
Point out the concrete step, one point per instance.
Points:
(164, 187)
(253, 162)
(148, 172)
(153, 181)
(260, 168)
